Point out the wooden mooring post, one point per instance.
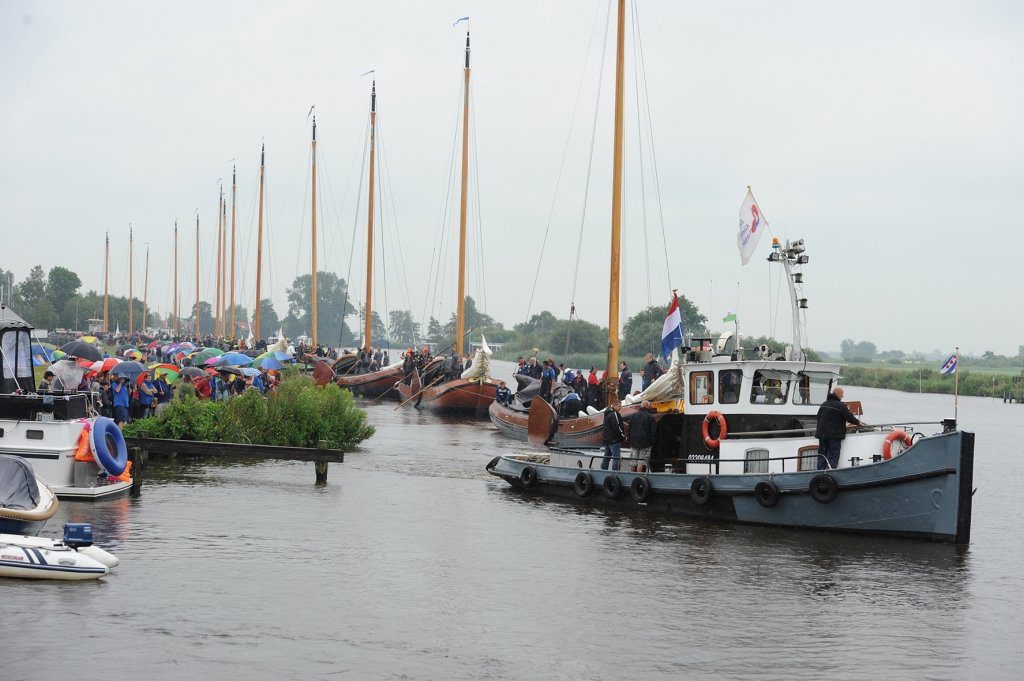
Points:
(142, 447)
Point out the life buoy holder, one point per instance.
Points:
(103, 434)
(901, 435)
(723, 432)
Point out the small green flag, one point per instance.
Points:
(731, 317)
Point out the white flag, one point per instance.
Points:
(752, 223)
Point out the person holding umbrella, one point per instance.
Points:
(121, 400)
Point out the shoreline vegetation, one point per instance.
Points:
(920, 380)
(296, 414)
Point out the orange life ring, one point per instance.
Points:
(714, 415)
(901, 435)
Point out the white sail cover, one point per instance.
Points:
(669, 386)
(480, 369)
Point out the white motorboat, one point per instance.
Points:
(73, 558)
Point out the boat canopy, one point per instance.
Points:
(15, 352)
(18, 487)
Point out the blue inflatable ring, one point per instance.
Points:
(112, 463)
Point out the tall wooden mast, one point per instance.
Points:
(145, 290)
(234, 214)
(369, 221)
(176, 309)
(106, 285)
(613, 278)
(259, 247)
(198, 325)
(131, 278)
(223, 267)
(461, 323)
(218, 296)
(313, 320)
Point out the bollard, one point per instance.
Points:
(321, 466)
(138, 458)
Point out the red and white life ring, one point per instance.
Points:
(901, 435)
(714, 415)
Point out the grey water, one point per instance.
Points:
(413, 563)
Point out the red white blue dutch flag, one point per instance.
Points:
(672, 330)
(950, 366)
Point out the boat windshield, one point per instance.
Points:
(814, 387)
(770, 386)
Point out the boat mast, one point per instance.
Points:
(198, 326)
(223, 267)
(176, 324)
(613, 279)
(145, 290)
(313, 320)
(131, 276)
(259, 247)
(106, 285)
(234, 196)
(220, 247)
(460, 326)
(369, 221)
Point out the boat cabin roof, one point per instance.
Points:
(739, 386)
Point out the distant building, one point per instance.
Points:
(94, 326)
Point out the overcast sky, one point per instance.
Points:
(887, 135)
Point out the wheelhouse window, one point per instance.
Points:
(770, 387)
(813, 387)
(729, 382)
(702, 387)
(756, 461)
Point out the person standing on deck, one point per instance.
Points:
(642, 436)
(833, 416)
(612, 435)
(652, 370)
(625, 381)
(547, 381)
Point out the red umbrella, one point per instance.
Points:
(104, 364)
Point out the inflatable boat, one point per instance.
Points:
(73, 558)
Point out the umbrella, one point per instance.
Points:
(84, 350)
(249, 371)
(167, 370)
(279, 356)
(133, 354)
(57, 354)
(213, 352)
(231, 370)
(193, 372)
(88, 339)
(152, 345)
(105, 364)
(270, 363)
(129, 369)
(211, 361)
(236, 359)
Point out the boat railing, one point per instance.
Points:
(945, 423)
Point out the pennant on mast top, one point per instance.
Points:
(459, 20)
(752, 223)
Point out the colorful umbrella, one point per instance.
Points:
(169, 371)
(249, 371)
(270, 363)
(105, 364)
(88, 339)
(129, 369)
(57, 354)
(236, 359)
(210, 361)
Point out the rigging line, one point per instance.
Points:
(385, 160)
(654, 153)
(561, 164)
(590, 157)
(480, 259)
(640, 158)
(355, 227)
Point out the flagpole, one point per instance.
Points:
(956, 385)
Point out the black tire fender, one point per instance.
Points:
(640, 489)
(701, 490)
(528, 477)
(584, 484)
(767, 493)
(823, 488)
(612, 486)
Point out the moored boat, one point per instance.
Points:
(73, 559)
(26, 503)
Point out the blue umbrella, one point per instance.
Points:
(270, 363)
(130, 369)
(249, 371)
(235, 359)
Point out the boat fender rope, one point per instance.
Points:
(583, 484)
(895, 435)
(105, 432)
(723, 431)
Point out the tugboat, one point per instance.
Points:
(743, 449)
(77, 454)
